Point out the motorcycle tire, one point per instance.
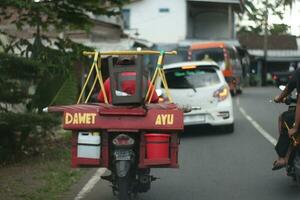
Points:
(297, 167)
(123, 188)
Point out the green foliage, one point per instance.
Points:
(46, 73)
(16, 76)
(63, 90)
(45, 16)
(26, 87)
(255, 14)
(10, 67)
(67, 93)
(279, 29)
(288, 2)
(63, 79)
(59, 14)
(47, 176)
(57, 175)
(19, 121)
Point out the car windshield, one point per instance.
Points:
(216, 54)
(179, 78)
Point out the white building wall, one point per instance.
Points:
(210, 25)
(156, 26)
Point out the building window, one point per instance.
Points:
(164, 10)
(126, 18)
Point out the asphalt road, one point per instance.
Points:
(217, 165)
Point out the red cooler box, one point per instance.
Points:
(158, 150)
(157, 146)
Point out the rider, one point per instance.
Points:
(128, 84)
(283, 146)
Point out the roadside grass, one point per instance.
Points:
(43, 177)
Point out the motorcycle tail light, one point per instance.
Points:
(160, 99)
(222, 93)
(123, 140)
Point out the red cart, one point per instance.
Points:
(128, 136)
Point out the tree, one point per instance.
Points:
(18, 117)
(255, 15)
(279, 29)
(47, 74)
(52, 15)
(288, 2)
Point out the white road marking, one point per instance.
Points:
(90, 184)
(256, 125)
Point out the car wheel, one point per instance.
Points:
(123, 187)
(228, 128)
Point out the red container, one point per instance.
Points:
(157, 146)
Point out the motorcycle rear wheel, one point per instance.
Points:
(297, 167)
(124, 187)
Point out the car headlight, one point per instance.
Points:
(222, 93)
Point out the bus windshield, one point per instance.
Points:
(216, 54)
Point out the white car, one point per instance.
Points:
(201, 84)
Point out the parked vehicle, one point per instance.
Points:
(227, 58)
(128, 136)
(293, 166)
(201, 84)
(281, 78)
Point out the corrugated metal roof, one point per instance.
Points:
(219, 1)
(275, 42)
(277, 55)
(117, 45)
(114, 45)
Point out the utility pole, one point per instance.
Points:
(265, 65)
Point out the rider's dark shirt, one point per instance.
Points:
(294, 83)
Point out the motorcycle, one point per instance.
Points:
(129, 136)
(293, 166)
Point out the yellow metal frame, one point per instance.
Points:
(96, 67)
(295, 141)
